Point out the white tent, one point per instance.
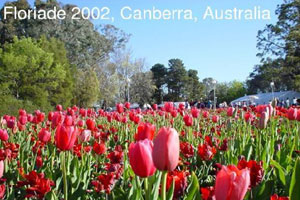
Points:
(265, 98)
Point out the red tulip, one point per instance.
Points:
(174, 113)
(120, 108)
(154, 106)
(29, 117)
(23, 119)
(256, 170)
(50, 116)
(11, 122)
(166, 149)
(145, 131)
(232, 183)
(298, 115)
(230, 111)
(206, 152)
(169, 106)
(188, 120)
(44, 135)
(186, 149)
(140, 158)
(127, 105)
(276, 197)
(90, 124)
(195, 112)
(292, 114)
(68, 121)
(205, 114)
(3, 135)
(215, 118)
(181, 106)
(180, 180)
(99, 148)
(65, 137)
(59, 107)
(22, 112)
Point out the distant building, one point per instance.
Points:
(265, 98)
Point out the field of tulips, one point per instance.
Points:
(248, 153)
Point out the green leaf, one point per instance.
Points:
(193, 188)
(171, 191)
(295, 182)
(264, 191)
(279, 171)
(156, 184)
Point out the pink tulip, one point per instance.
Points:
(3, 135)
(44, 135)
(85, 136)
(140, 158)
(166, 149)
(230, 111)
(263, 121)
(215, 118)
(232, 183)
(1, 168)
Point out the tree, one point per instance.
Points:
(63, 94)
(159, 72)
(194, 88)
(208, 86)
(142, 88)
(279, 46)
(29, 73)
(177, 77)
(86, 88)
(86, 45)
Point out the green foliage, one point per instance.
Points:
(142, 88)
(86, 46)
(63, 94)
(31, 74)
(176, 83)
(279, 46)
(86, 88)
(159, 76)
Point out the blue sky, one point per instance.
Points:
(225, 49)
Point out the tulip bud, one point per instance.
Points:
(140, 158)
(166, 149)
(44, 135)
(263, 121)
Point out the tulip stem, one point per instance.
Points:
(163, 186)
(146, 188)
(64, 171)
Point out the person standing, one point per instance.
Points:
(294, 101)
(287, 102)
